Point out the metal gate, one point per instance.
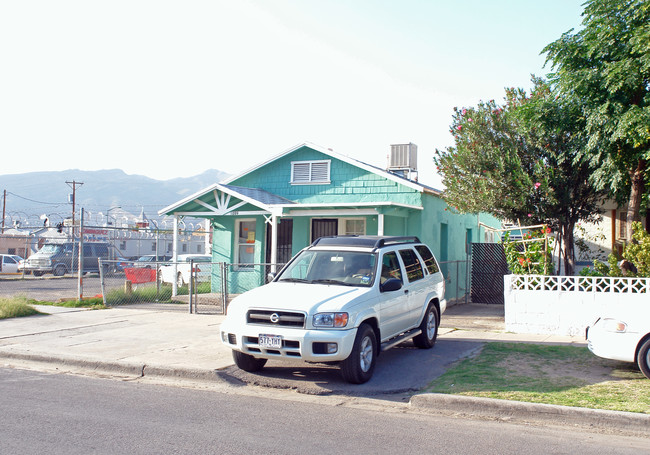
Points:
(489, 266)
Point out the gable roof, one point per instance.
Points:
(216, 204)
(367, 167)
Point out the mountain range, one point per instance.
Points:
(33, 194)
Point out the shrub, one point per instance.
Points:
(533, 255)
(637, 252)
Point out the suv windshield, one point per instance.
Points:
(346, 268)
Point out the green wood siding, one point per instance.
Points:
(348, 183)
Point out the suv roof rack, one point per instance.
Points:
(368, 241)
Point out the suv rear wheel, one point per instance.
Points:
(429, 328)
(360, 365)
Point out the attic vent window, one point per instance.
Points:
(310, 172)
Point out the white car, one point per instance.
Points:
(180, 271)
(342, 299)
(9, 263)
(623, 334)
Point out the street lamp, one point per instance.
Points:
(108, 223)
(111, 237)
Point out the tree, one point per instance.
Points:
(520, 161)
(607, 65)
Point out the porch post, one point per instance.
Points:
(175, 256)
(380, 224)
(274, 243)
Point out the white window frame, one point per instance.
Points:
(238, 222)
(342, 221)
(311, 179)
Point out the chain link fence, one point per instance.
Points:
(194, 286)
(457, 280)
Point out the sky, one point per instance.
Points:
(169, 89)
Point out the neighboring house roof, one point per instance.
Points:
(370, 168)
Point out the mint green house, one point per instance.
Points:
(273, 210)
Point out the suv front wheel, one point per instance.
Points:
(59, 270)
(360, 365)
(248, 362)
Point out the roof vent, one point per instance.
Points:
(403, 159)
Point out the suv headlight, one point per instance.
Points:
(330, 320)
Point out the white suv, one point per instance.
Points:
(342, 299)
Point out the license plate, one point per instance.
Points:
(270, 341)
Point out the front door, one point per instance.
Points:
(285, 244)
(324, 228)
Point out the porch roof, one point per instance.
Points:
(230, 200)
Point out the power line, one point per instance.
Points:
(32, 200)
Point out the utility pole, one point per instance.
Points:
(74, 185)
(4, 207)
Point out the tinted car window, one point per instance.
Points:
(390, 267)
(429, 260)
(412, 264)
(101, 250)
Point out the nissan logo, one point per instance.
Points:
(275, 318)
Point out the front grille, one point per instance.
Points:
(39, 262)
(275, 318)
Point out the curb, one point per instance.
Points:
(522, 411)
(122, 368)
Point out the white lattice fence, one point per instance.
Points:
(566, 305)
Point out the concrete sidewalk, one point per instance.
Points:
(137, 342)
(177, 341)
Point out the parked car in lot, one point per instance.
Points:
(342, 299)
(623, 334)
(202, 265)
(149, 260)
(9, 263)
(63, 257)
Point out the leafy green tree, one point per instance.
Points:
(607, 65)
(520, 161)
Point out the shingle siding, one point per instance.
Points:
(348, 182)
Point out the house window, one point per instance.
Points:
(310, 172)
(153, 247)
(184, 248)
(199, 248)
(353, 226)
(245, 242)
(123, 245)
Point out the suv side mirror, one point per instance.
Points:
(391, 284)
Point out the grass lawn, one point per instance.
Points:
(15, 307)
(561, 375)
(19, 306)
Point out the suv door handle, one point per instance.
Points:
(406, 291)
